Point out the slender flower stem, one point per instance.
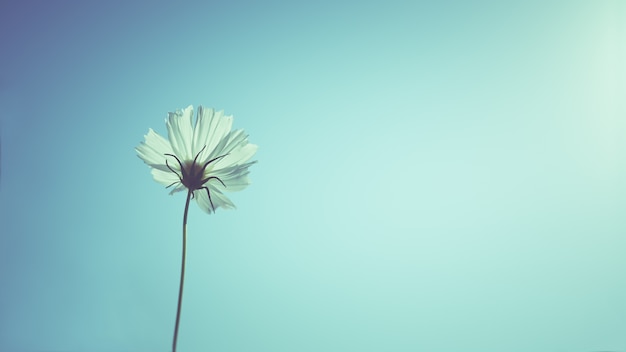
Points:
(182, 271)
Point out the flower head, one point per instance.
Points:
(205, 157)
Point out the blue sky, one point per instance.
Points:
(431, 177)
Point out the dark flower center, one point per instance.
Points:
(193, 174)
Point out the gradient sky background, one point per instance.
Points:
(431, 177)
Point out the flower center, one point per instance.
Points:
(193, 174)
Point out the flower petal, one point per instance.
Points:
(235, 177)
(218, 199)
(201, 130)
(218, 128)
(180, 132)
(237, 156)
(165, 178)
(177, 189)
(210, 129)
(237, 183)
(232, 140)
(153, 150)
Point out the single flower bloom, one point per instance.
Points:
(205, 157)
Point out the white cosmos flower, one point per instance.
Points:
(205, 157)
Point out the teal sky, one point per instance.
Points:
(431, 176)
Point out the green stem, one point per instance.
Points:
(182, 271)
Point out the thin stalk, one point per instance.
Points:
(182, 271)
